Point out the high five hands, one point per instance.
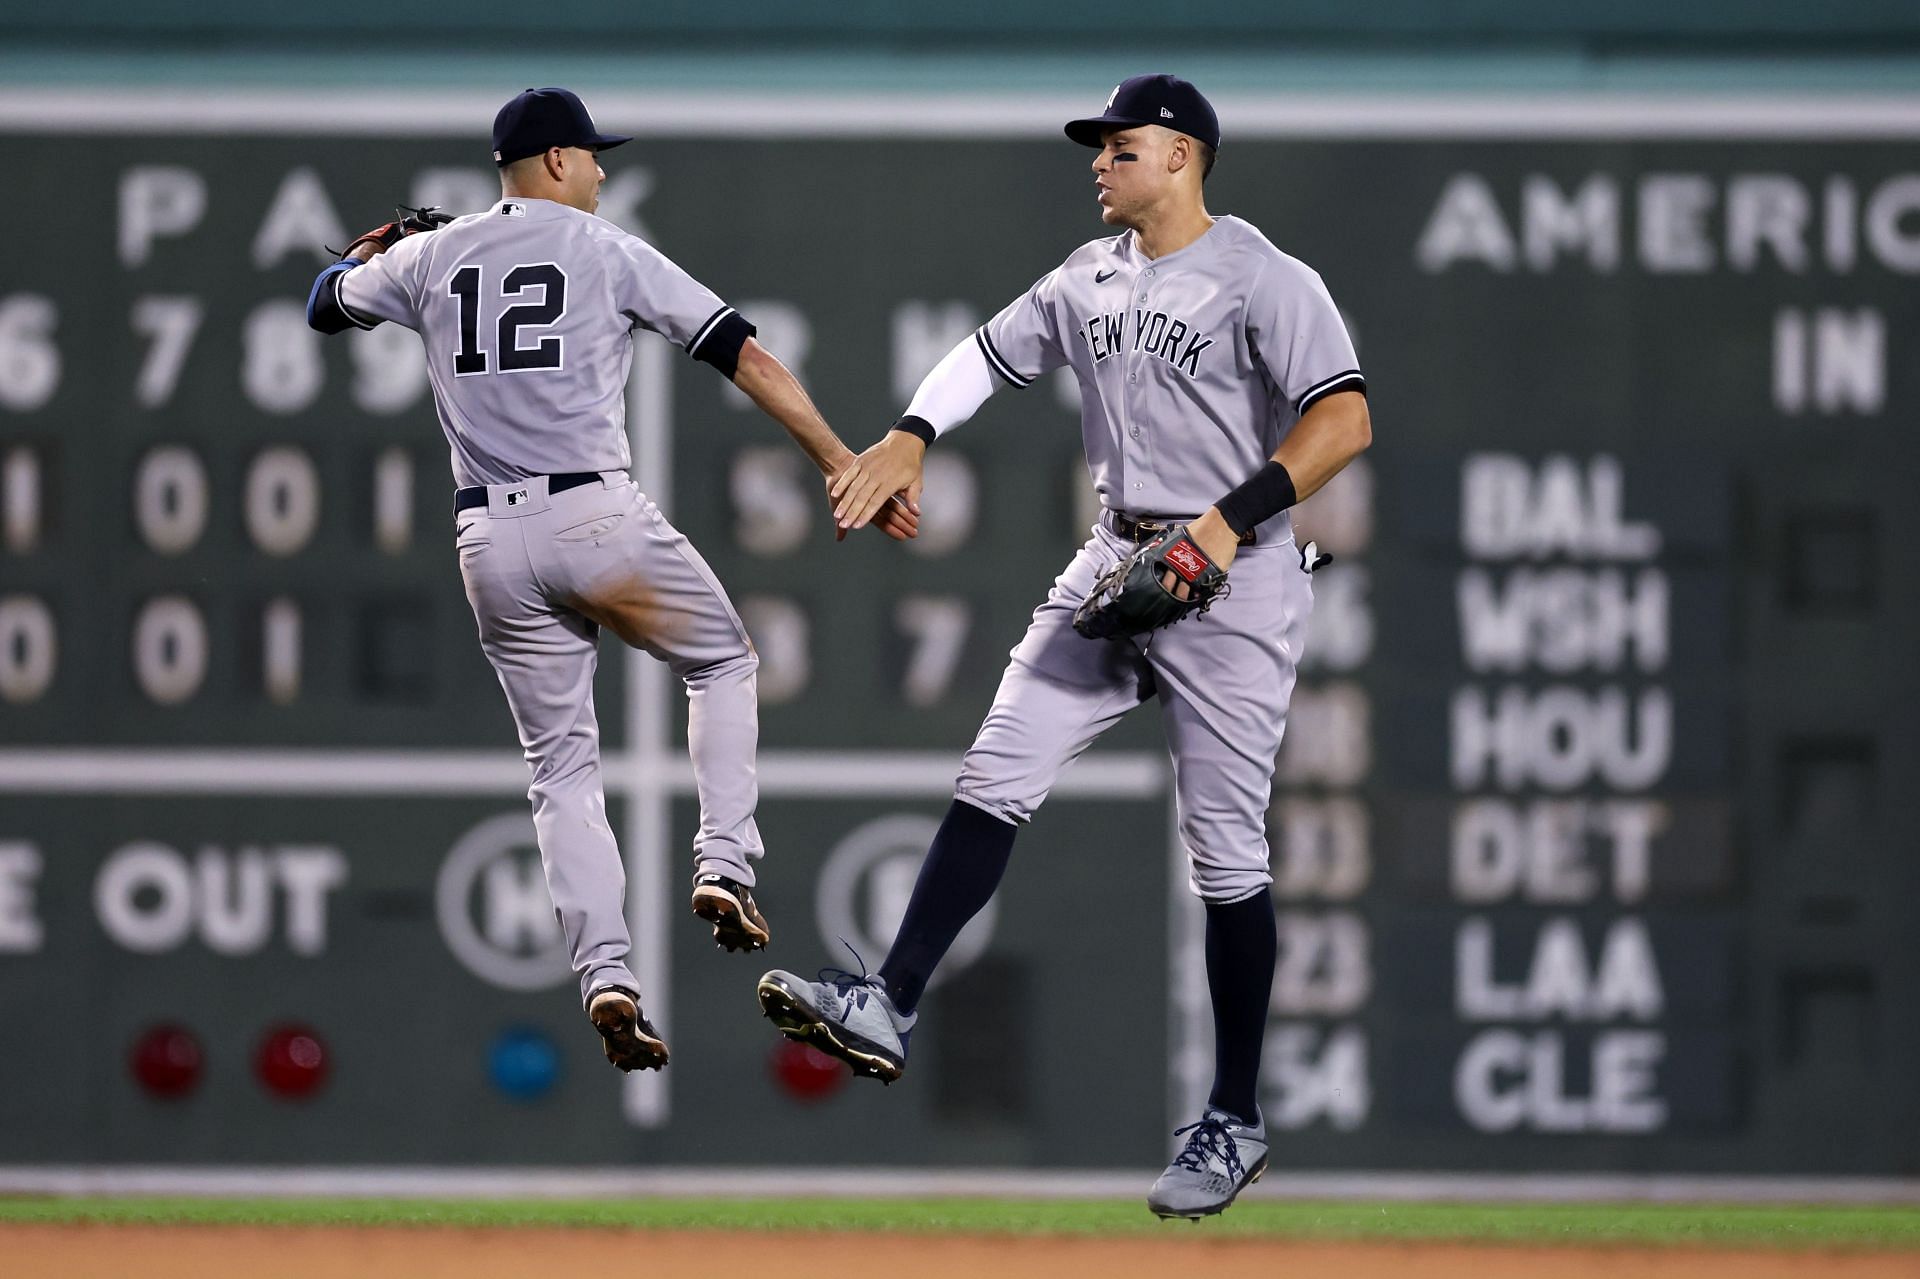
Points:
(881, 486)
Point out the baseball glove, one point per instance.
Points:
(408, 222)
(1134, 596)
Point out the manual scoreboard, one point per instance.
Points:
(1589, 831)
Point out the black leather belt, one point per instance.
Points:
(1139, 531)
(467, 499)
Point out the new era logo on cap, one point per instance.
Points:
(1165, 114)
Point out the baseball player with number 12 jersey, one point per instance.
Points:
(1218, 386)
(527, 312)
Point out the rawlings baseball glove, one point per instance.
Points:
(1135, 595)
(408, 222)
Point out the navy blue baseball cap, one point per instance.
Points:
(542, 118)
(1164, 100)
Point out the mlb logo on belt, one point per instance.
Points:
(516, 496)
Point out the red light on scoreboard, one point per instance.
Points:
(805, 1073)
(292, 1061)
(167, 1061)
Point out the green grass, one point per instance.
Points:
(1586, 1224)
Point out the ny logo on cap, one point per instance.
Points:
(1111, 97)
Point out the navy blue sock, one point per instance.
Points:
(963, 867)
(1243, 941)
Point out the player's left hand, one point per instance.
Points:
(1211, 534)
(892, 466)
(1164, 580)
(387, 234)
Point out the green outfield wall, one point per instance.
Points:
(1594, 829)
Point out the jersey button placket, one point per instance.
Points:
(1133, 352)
(1136, 460)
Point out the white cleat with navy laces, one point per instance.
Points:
(845, 1015)
(1222, 1157)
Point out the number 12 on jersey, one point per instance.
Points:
(545, 353)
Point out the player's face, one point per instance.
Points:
(1130, 172)
(584, 176)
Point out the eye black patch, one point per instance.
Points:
(1125, 155)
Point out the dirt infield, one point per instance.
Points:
(223, 1252)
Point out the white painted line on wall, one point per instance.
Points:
(913, 1183)
(651, 770)
(30, 770)
(259, 771)
(1190, 1061)
(1111, 775)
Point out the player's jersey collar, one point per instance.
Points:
(532, 206)
(1127, 247)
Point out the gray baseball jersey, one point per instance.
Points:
(527, 311)
(527, 314)
(1192, 366)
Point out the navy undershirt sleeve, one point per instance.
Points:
(323, 303)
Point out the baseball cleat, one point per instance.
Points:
(1222, 1157)
(844, 1015)
(631, 1041)
(728, 905)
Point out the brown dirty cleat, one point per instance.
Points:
(728, 905)
(631, 1041)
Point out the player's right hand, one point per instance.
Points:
(871, 480)
(899, 516)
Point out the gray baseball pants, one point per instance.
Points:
(544, 572)
(1223, 679)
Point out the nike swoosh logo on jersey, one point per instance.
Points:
(1101, 277)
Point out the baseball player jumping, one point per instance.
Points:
(1218, 387)
(527, 313)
